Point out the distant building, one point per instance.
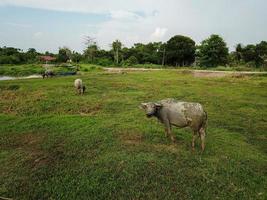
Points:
(47, 59)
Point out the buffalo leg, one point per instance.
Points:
(171, 134)
(168, 127)
(168, 130)
(202, 135)
(193, 140)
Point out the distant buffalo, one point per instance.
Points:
(48, 74)
(180, 114)
(79, 86)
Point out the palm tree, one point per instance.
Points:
(116, 47)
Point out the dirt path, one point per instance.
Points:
(6, 78)
(195, 73)
(208, 73)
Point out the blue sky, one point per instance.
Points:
(50, 24)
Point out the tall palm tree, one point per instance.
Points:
(116, 47)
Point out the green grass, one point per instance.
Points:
(30, 69)
(58, 145)
(20, 70)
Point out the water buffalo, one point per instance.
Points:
(48, 74)
(180, 114)
(78, 84)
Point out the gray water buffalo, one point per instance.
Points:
(180, 114)
(78, 84)
(48, 74)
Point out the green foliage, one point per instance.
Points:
(64, 54)
(76, 57)
(261, 50)
(147, 53)
(56, 144)
(180, 51)
(31, 56)
(131, 61)
(30, 69)
(250, 55)
(10, 55)
(105, 62)
(116, 49)
(212, 52)
(90, 53)
(89, 67)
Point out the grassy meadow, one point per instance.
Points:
(58, 145)
(33, 69)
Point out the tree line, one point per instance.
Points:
(177, 51)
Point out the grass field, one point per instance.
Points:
(58, 145)
(30, 69)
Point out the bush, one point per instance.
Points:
(251, 64)
(105, 62)
(131, 61)
(13, 59)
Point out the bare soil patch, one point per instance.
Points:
(29, 146)
(196, 73)
(219, 74)
(89, 111)
(131, 138)
(137, 140)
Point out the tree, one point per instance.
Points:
(116, 48)
(10, 55)
(145, 53)
(31, 55)
(90, 52)
(180, 51)
(253, 55)
(162, 50)
(213, 52)
(238, 50)
(76, 57)
(261, 51)
(249, 53)
(64, 54)
(91, 49)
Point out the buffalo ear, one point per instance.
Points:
(143, 106)
(158, 105)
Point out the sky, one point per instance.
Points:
(47, 25)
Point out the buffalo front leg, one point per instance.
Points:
(166, 132)
(169, 132)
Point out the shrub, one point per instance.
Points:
(104, 62)
(131, 61)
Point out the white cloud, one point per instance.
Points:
(134, 21)
(19, 25)
(159, 33)
(124, 15)
(38, 35)
(86, 6)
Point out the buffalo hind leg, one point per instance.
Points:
(193, 140)
(202, 135)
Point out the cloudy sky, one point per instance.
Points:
(50, 24)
